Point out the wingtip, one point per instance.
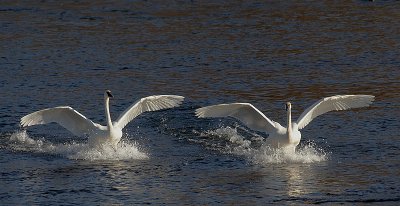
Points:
(22, 121)
(198, 112)
(369, 98)
(182, 98)
(178, 98)
(22, 126)
(372, 98)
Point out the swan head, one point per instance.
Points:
(108, 94)
(288, 106)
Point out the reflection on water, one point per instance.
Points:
(296, 182)
(265, 53)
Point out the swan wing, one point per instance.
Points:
(151, 103)
(245, 112)
(338, 102)
(65, 116)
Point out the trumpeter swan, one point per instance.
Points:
(79, 125)
(279, 136)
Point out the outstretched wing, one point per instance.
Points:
(244, 112)
(151, 103)
(338, 102)
(65, 116)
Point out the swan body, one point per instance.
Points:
(288, 137)
(98, 134)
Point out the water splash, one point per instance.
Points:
(258, 152)
(231, 135)
(126, 150)
(307, 153)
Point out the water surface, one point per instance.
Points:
(55, 53)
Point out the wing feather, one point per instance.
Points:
(244, 112)
(65, 116)
(151, 103)
(338, 102)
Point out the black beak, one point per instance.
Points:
(109, 94)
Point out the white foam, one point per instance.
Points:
(231, 135)
(22, 137)
(308, 153)
(125, 150)
(263, 154)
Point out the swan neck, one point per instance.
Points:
(108, 116)
(289, 122)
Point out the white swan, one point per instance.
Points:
(281, 137)
(79, 125)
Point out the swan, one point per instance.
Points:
(288, 137)
(98, 134)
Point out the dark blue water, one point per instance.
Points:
(265, 53)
